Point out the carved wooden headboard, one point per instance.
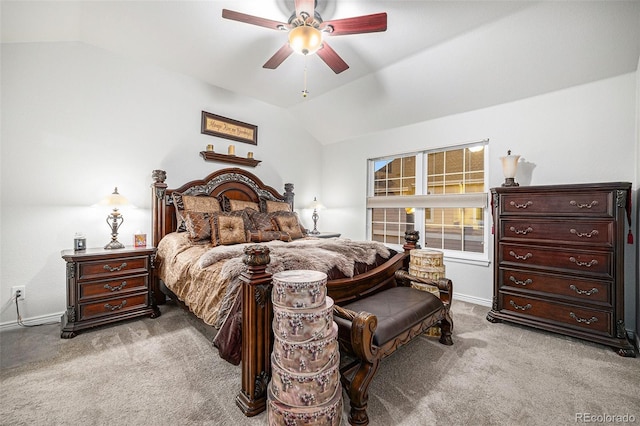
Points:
(234, 183)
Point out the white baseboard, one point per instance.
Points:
(45, 319)
(471, 299)
(53, 318)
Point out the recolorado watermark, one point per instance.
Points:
(605, 418)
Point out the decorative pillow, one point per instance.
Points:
(276, 206)
(264, 236)
(261, 221)
(229, 228)
(289, 223)
(201, 204)
(198, 226)
(241, 205)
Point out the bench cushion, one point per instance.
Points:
(397, 310)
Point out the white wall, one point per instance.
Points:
(578, 135)
(77, 121)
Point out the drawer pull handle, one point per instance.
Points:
(525, 282)
(525, 257)
(584, 234)
(521, 206)
(587, 264)
(521, 231)
(583, 205)
(587, 292)
(110, 307)
(583, 320)
(116, 288)
(115, 268)
(522, 308)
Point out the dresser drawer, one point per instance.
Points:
(113, 306)
(580, 289)
(109, 267)
(563, 203)
(586, 232)
(569, 315)
(561, 259)
(111, 288)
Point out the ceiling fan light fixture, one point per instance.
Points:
(305, 39)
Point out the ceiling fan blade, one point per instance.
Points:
(279, 57)
(253, 20)
(357, 25)
(331, 58)
(307, 6)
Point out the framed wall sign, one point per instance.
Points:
(216, 125)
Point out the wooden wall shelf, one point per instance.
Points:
(213, 156)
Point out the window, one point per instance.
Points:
(440, 193)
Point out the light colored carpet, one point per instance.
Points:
(165, 372)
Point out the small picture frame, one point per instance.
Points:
(140, 240)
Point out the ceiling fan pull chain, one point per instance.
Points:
(305, 93)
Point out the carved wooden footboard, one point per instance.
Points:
(257, 315)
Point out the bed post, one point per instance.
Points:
(158, 212)
(289, 194)
(257, 315)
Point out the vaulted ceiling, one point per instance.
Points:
(436, 58)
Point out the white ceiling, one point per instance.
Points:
(436, 58)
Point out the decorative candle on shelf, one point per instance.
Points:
(249, 154)
(232, 150)
(209, 147)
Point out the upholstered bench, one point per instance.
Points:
(375, 326)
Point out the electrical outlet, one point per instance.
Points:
(17, 288)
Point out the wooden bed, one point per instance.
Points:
(239, 184)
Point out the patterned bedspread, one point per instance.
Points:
(206, 278)
(201, 289)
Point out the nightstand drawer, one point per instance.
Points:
(113, 306)
(573, 316)
(110, 288)
(110, 267)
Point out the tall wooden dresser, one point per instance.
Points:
(559, 259)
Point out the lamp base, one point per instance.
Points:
(114, 244)
(510, 182)
(314, 232)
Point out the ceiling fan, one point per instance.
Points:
(306, 30)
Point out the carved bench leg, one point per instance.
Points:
(359, 392)
(446, 325)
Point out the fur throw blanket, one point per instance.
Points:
(312, 254)
(315, 254)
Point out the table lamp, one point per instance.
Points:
(315, 205)
(509, 167)
(115, 219)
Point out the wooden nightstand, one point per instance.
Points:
(325, 235)
(105, 286)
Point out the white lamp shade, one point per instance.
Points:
(510, 165)
(315, 204)
(114, 199)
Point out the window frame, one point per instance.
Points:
(423, 201)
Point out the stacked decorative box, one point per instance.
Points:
(305, 377)
(425, 263)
